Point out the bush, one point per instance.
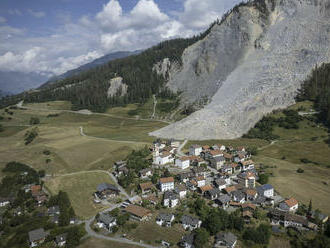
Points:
(46, 152)
(263, 178)
(30, 136)
(299, 170)
(133, 112)
(305, 161)
(34, 121)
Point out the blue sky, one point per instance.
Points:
(53, 36)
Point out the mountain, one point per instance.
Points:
(14, 82)
(251, 63)
(93, 64)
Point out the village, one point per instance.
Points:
(225, 178)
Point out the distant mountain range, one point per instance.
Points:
(14, 82)
(93, 64)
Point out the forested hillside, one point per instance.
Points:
(89, 89)
(316, 88)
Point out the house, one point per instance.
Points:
(292, 220)
(166, 183)
(229, 190)
(223, 201)
(190, 222)
(37, 237)
(197, 161)
(251, 194)
(212, 154)
(238, 196)
(164, 158)
(174, 143)
(318, 216)
(121, 168)
(105, 190)
(192, 185)
(249, 207)
(289, 205)
(260, 201)
(169, 149)
(220, 183)
(266, 190)
(219, 147)
(227, 169)
(35, 190)
(247, 216)
(247, 179)
(183, 162)
(181, 190)
(170, 199)
(137, 212)
(145, 173)
(201, 171)
(41, 198)
(54, 210)
(200, 181)
(54, 219)
(165, 219)
(186, 176)
(225, 239)
(106, 221)
(206, 148)
(217, 162)
(4, 202)
(60, 240)
(205, 188)
(228, 157)
(187, 241)
(212, 194)
(195, 150)
(146, 187)
(152, 199)
(236, 168)
(247, 165)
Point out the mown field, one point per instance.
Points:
(80, 188)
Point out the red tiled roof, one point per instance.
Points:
(137, 210)
(206, 188)
(291, 202)
(166, 180)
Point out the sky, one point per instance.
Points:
(53, 36)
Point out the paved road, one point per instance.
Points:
(308, 113)
(179, 152)
(112, 140)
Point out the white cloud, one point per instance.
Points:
(36, 14)
(2, 19)
(199, 14)
(14, 12)
(76, 43)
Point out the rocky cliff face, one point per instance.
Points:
(116, 87)
(250, 64)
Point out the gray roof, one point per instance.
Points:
(189, 239)
(186, 175)
(266, 187)
(260, 199)
(180, 188)
(106, 218)
(165, 216)
(220, 181)
(214, 192)
(195, 146)
(105, 186)
(61, 238)
(189, 220)
(319, 215)
(219, 158)
(170, 195)
(53, 210)
(238, 195)
(37, 234)
(227, 237)
(224, 199)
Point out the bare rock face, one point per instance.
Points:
(117, 87)
(250, 64)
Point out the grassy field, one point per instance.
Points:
(80, 188)
(101, 243)
(54, 105)
(149, 232)
(303, 186)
